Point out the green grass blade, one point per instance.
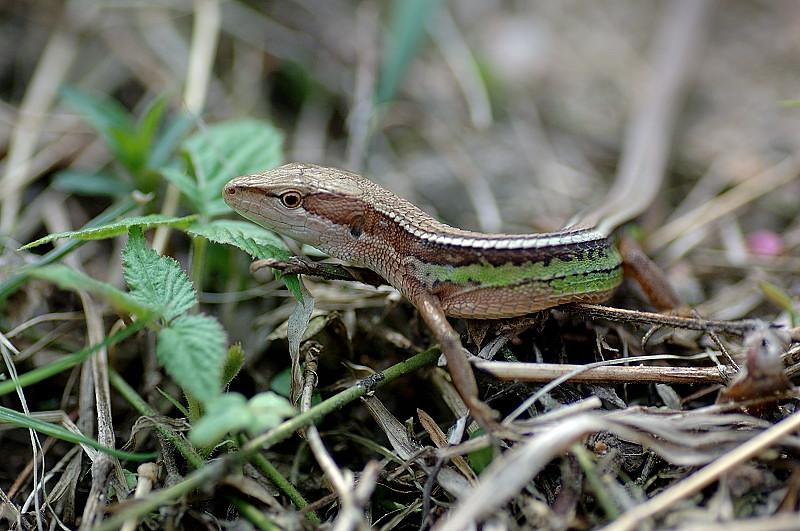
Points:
(69, 361)
(406, 31)
(116, 228)
(13, 282)
(15, 418)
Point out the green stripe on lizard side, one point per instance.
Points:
(602, 272)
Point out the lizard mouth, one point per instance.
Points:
(250, 210)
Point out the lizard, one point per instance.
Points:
(442, 270)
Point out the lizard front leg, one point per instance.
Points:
(460, 370)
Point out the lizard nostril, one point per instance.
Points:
(230, 190)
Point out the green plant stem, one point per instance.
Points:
(67, 362)
(214, 469)
(144, 409)
(599, 489)
(195, 460)
(199, 246)
(253, 515)
(339, 400)
(283, 484)
(12, 284)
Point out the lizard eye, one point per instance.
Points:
(291, 199)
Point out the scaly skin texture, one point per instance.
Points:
(474, 275)
(442, 270)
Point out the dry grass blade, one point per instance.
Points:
(508, 473)
(638, 515)
(771, 179)
(440, 440)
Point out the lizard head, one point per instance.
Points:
(323, 207)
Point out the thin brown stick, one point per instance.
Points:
(547, 372)
(688, 323)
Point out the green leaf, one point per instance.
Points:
(406, 30)
(115, 229)
(130, 148)
(15, 418)
(192, 350)
(154, 280)
(13, 281)
(224, 151)
(780, 298)
(293, 285)
(173, 132)
(256, 241)
(480, 459)
(130, 141)
(227, 413)
(281, 383)
(234, 361)
(150, 120)
(231, 413)
(81, 183)
(69, 279)
(268, 411)
(102, 113)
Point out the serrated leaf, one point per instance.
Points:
(155, 280)
(115, 229)
(129, 140)
(256, 241)
(192, 349)
(69, 279)
(226, 150)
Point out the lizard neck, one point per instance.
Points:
(381, 224)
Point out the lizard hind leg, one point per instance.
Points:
(648, 275)
(457, 364)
